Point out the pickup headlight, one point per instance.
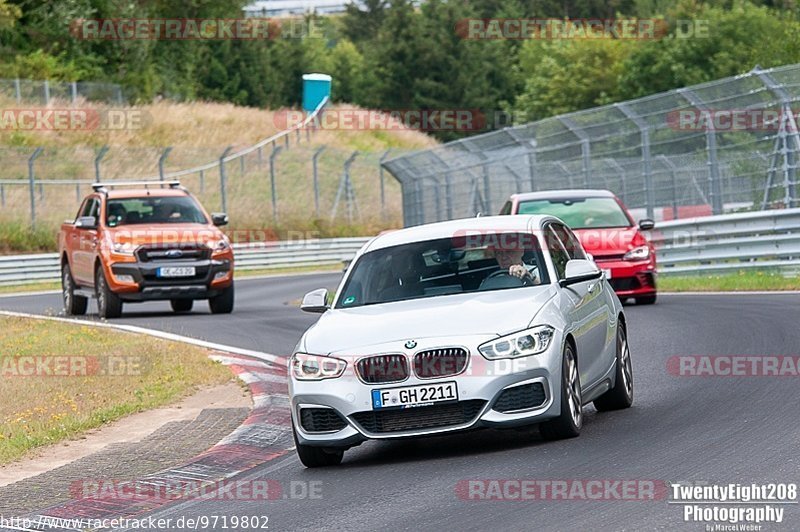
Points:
(521, 344)
(640, 253)
(218, 246)
(124, 248)
(307, 367)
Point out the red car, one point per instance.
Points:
(606, 230)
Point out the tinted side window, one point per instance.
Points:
(89, 208)
(557, 251)
(570, 241)
(506, 208)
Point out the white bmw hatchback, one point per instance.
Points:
(487, 322)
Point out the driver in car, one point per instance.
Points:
(511, 260)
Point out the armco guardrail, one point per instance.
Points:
(762, 239)
(26, 269)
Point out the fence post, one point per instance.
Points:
(316, 179)
(161, 161)
(202, 181)
(345, 187)
(73, 89)
(31, 184)
(383, 189)
(286, 140)
(715, 184)
(2, 196)
(260, 157)
(46, 92)
(787, 115)
(118, 94)
(673, 175)
(100, 155)
(17, 91)
(273, 191)
(78, 192)
(350, 193)
(644, 132)
(223, 178)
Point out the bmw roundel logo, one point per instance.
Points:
(411, 344)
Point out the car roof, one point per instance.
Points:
(575, 193)
(143, 192)
(420, 233)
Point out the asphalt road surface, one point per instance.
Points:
(713, 430)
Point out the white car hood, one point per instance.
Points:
(479, 313)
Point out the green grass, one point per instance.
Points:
(42, 410)
(740, 281)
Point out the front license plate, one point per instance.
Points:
(410, 396)
(607, 273)
(176, 271)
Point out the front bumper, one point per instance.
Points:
(629, 279)
(481, 401)
(147, 286)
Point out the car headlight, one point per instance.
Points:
(521, 344)
(219, 245)
(640, 253)
(307, 367)
(124, 248)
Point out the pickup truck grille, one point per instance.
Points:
(149, 253)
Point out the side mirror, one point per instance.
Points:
(86, 222)
(580, 270)
(315, 301)
(219, 219)
(646, 224)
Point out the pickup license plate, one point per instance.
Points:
(176, 271)
(607, 273)
(410, 396)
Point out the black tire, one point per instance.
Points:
(646, 300)
(109, 305)
(223, 303)
(73, 305)
(568, 423)
(621, 395)
(317, 456)
(181, 305)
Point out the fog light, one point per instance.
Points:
(220, 275)
(124, 278)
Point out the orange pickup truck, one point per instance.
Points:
(144, 241)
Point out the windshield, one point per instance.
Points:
(580, 213)
(471, 263)
(153, 210)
